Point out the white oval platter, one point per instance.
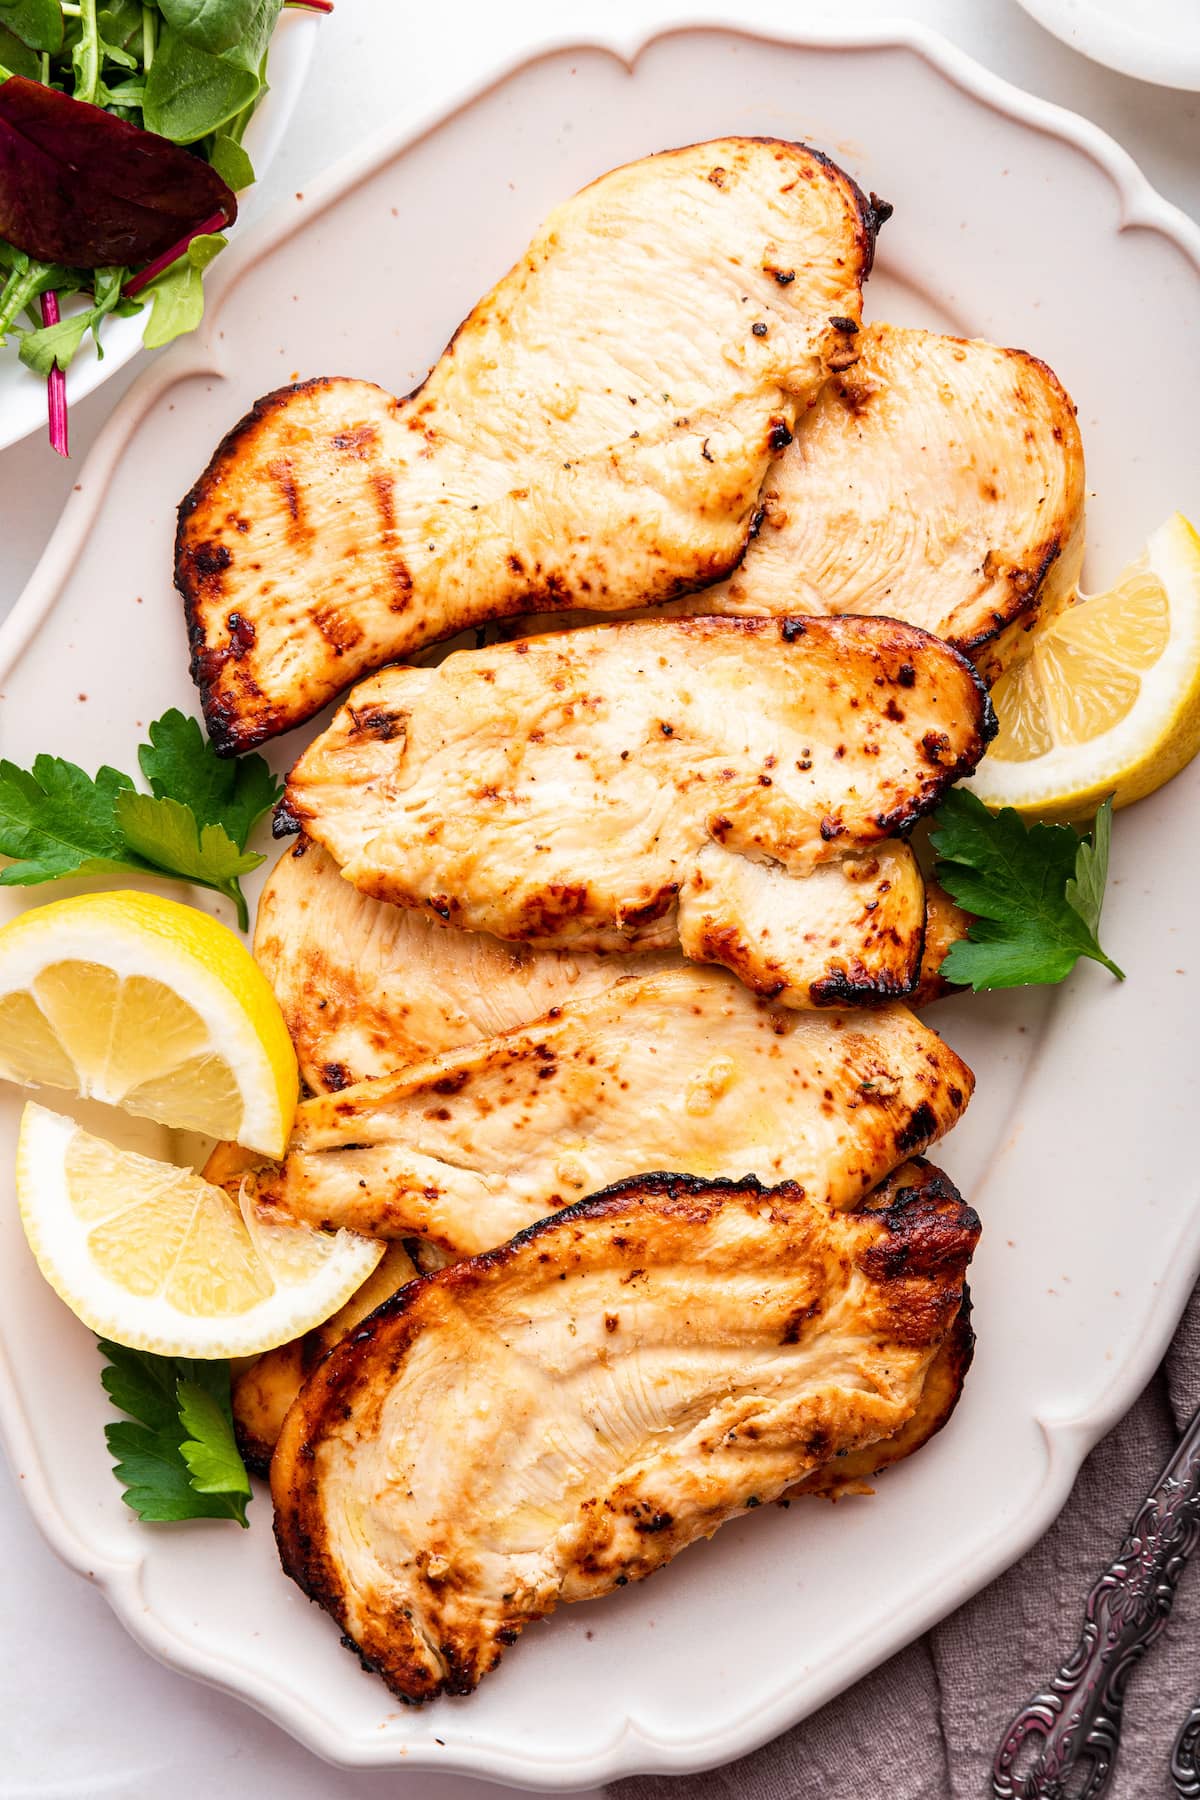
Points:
(22, 393)
(1014, 221)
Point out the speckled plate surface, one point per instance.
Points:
(1014, 221)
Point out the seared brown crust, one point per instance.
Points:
(265, 1388)
(397, 1426)
(787, 748)
(337, 527)
(852, 1473)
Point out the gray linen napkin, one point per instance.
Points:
(925, 1725)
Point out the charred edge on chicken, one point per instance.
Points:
(928, 1228)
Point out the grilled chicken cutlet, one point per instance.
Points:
(596, 434)
(684, 1068)
(568, 1412)
(727, 786)
(939, 480)
(367, 987)
(940, 1394)
(264, 1389)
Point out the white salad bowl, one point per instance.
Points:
(22, 393)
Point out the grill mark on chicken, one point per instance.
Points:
(683, 1067)
(723, 784)
(517, 476)
(484, 1448)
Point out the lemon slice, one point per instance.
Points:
(160, 1259)
(150, 1006)
(1108, 699)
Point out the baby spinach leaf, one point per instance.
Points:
(231, 162)
(212, 25)
(37, 23)
(16, 57)
(190, 93)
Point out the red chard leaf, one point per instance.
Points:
(80, 187)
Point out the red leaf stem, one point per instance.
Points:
(214, 222)
(56, 386)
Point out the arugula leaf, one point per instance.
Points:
(181, 764)
(1036, 893)
(178, 293)
(86, 55)
(27, 280)
(171, 840)
(176, 1456)
(56, 821)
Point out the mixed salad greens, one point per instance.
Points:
(121, 127)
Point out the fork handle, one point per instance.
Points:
(1078, 1716)
(1185, 1757)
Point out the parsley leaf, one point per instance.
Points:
(167, 835)
(1035, 891)
(57, 821)
(180, 764)
(210, 1449)
(193, 826)
(176, 1456)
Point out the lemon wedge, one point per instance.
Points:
(158, 1258)
(151, 1006)
(1108, 699)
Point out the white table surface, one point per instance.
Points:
(83, 1711)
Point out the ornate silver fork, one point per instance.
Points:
(1077, 1718)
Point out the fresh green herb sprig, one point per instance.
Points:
(175, 1455)
(193, 825)
(1035, 893)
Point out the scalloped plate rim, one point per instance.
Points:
(1067, 1439)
